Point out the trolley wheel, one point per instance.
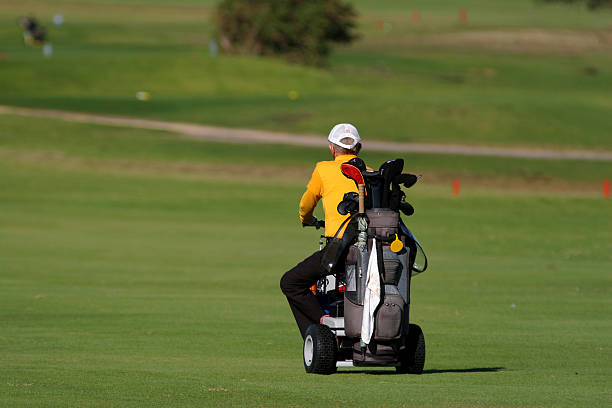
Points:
(412, 357)
(320, 350)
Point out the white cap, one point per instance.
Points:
(342, 130)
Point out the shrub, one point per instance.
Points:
(300, 30)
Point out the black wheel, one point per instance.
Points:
(412, 357)
(320, 350)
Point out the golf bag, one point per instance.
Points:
(394, 269)
(369, 304)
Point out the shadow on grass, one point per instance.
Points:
(465, 370)
(436, 371)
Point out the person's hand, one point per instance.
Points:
(312, 223)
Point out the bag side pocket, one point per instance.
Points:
(388, 321)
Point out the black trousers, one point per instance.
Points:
(296, 284)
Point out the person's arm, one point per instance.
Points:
(311, 197)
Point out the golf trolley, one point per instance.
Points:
(366, 297)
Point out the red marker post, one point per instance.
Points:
(456, 187)
(606, 188)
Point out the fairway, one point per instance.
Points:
(156, 284)
(141, 268)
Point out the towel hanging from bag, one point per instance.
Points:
(371, 296)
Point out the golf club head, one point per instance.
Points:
(371, 175)
(348, 207)
(395, 197)
(391, 167)
(406, 208)
(349, 204)
(357, 162)
(389, 170)
(353, 173)
(374, 183)
(351, 195)
(405, 179)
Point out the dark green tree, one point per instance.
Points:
(300, 30)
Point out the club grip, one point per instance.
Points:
(361, 189)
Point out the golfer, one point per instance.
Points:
(327, 182)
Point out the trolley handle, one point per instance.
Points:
(314, 223)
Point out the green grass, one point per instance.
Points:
(395, 86)
(128, 286)
(141, 269)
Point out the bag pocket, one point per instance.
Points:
(353, 314)
(388, 322)
(392, 272)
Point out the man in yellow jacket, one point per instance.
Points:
(327, 183)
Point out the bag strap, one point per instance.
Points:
(343, 224)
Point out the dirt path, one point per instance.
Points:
(215, 133)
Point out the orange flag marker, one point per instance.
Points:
(606, 188)
(456, 186)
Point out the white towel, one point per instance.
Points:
(371, 297)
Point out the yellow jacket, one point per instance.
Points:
(329, 183)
